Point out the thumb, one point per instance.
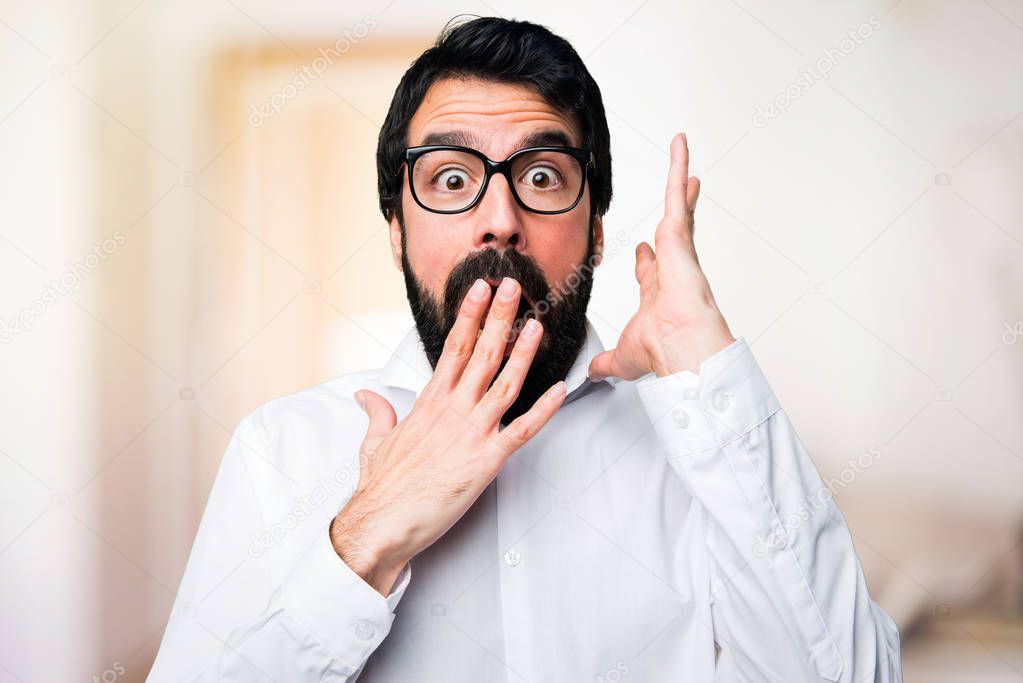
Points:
(382, 417)
(644, 259)
(692, 193)
(602, 365)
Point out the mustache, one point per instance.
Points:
(492, 265)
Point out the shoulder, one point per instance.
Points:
(313, 407)
(310, 432)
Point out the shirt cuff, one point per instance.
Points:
(693, 412)
(343, 612)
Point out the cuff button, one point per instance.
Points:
(680, 417)
(364, 630)
(721, 400)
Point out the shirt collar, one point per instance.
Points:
(408, 367)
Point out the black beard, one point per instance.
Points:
(562, 312)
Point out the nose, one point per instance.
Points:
(499, 218)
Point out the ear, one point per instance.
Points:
(394, 229)
(598, 240)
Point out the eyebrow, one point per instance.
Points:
(465, 138)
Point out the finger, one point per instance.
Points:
(525, 426)
(382, 420)
(461, 340)
(492, 343)
(505, 389)
(692, 193)
(644, 259)
(678, 174)
(604, 364)
(382, 417)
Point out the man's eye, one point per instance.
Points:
(451, 180)
(542, 177)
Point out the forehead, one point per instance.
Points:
(495, 118)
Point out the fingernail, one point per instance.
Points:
(531, 328)
(507, 289)
(557, 391)
(361, 400)
(478, 290)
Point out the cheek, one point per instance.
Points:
(432, 245)
(559, 246)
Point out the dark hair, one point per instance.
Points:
(505, 51)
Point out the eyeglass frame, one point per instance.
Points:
(490, 167)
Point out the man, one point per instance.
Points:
(528, 506)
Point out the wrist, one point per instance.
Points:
(686, 349)
(374, 559)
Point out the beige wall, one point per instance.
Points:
(868, 243)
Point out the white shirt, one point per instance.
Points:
(667, 529)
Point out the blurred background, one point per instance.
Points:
(188, 228)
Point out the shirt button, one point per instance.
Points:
(512, 557)
(680, 417)
(364, 630)
(721, 400)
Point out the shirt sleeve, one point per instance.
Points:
(788, 599)
(232, 622)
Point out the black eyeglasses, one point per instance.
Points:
(452, 179)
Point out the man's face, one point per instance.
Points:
(551, 256)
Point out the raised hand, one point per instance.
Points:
(678, 324)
